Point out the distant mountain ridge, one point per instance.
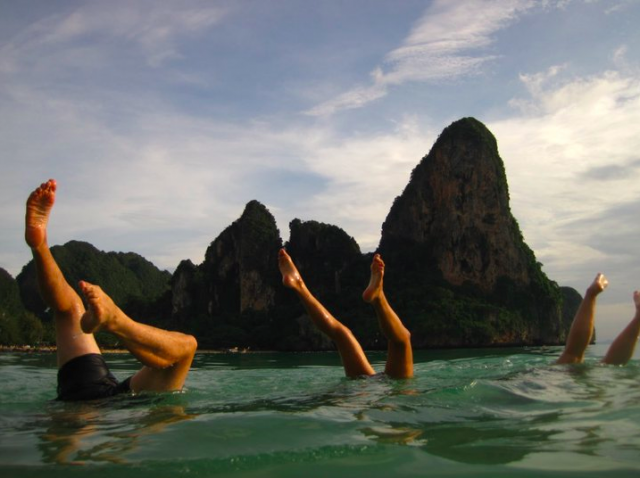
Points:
(132, 281)
(458, 270)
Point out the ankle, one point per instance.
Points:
(592, 293)
(117, 323)
(40, 249)
(379, 299)
(300, 288)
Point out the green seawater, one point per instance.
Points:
(497, 412)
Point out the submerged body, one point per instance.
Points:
(399, 351)
(83, 374)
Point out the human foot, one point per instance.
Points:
(374, 289)
(290, 275)
(599, 284)
(102, 313)
(39, 207)
(636, 301)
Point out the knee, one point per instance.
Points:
(403, 338)
(191, 345)
(342, 334)
(74, 312)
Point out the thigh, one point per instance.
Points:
(71, 341)
(161, 380)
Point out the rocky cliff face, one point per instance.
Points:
(458, 270)
(571, 300)
(232, 293)
(240, 266)
(453, 227)
(457, 206)
(185, 292)
(324, 254)
(335, 271)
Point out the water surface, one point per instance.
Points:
(497, 412)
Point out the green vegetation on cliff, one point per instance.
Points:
(17, 325)
(133, 282)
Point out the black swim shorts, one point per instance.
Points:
(87, 377)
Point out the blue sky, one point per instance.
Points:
(162, 119)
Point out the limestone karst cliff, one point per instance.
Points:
(459, 272)
(228, 299)
(458, 244)
(335, 270)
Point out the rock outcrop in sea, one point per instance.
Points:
(231, 295)
(459, 272)
(462, 251)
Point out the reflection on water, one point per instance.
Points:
(102, 431)
(499, 412)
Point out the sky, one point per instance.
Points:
(161, 119)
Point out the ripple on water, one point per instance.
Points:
(507, 413)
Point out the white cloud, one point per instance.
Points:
(158, 178)
(93, 98)
(619, 56)
(440, 46)
(149, 28)
(364, 174)
(354, 98)
(618, 5)
(558, 154)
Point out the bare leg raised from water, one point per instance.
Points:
(166, 356)
(622, 348)
(582, 326)
(353, 359)
(55, 291)
(400, 352)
